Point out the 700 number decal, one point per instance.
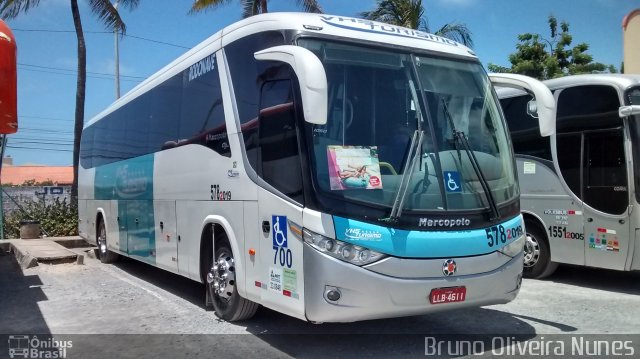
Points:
(283, 256)
(499, 234)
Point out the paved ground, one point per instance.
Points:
(133, 298)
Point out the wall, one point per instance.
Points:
(631, 42)
(22, 194)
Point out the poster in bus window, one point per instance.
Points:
(353, 167)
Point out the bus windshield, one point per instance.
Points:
(392, 127)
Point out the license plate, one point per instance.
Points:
(447, 295)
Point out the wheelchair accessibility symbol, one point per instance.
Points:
(279, 231)
(452, 181)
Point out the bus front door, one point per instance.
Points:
(606, 198)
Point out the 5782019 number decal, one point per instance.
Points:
(282, 256)
(500, 234)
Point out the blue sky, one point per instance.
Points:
(47, 60)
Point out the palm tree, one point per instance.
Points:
(251, 7)
(410, 13)
(109, 15)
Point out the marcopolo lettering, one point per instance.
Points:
(202, 67)
(450, 222)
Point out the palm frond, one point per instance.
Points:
(310, 6)
(457, 32)
(204, 5)
(9, 9)
(108, 15)
(407, 13)
(129, 4)
(250, 8)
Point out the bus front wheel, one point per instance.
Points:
(221, 284)
(537, 254)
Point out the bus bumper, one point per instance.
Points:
(365, 294)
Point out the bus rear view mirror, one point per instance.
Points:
(545, 104)
(626, 111)
(310, 73)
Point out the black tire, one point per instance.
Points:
(227, 303)
(105, 255)
(537, 258)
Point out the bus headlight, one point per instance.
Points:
(338, 249)
(514, 248)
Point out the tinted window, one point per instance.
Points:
(278, 140)
(86, 148)
(136, 118)
(185, 109)
(605, 177)
(587, 107)
(248, 73)
(569, 147)
(525, 129)
(165, 114)
(590, 146)
(202, 121)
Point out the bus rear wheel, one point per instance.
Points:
(221, 284)
(105, 255)
(537, 254)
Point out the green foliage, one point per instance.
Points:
(251, 7)
(57, 218)
(410, 13)
(34, 183)
(543, 58)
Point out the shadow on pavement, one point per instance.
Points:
(277, 335)
(19, 297)
(488, 329)
(596, 278)
(177, 285)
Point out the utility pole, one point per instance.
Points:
(117, 56)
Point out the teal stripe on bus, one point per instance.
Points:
(130, 183)
(429, 244)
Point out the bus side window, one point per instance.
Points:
(588, 126)
(202, 118)
(524, 129)
(278, 140)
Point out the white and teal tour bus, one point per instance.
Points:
(329, 168)
(579, 197)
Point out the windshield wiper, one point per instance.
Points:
(409, 167)
(407, 172)
(460, 138)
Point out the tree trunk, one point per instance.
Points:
(263, 6)
(80, 95)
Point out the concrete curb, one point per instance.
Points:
(26, 260)
(29, 253)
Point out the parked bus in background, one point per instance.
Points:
(329, 168)
(580, 196)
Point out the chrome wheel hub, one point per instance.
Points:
(531, 251)
(222, 277)
(102, 240)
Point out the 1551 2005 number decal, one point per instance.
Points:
(499, 234)
(561, 232)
